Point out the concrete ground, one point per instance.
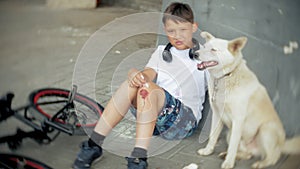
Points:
(39, 48)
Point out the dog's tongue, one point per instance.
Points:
(205, 64)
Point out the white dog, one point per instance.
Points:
(239, 101)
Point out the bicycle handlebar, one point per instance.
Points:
(5, 106)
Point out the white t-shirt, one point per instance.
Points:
(181, 78)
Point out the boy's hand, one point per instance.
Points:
(136, 78)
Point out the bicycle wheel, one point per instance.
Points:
(12, 161)
(49, 101)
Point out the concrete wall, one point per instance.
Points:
(86, 4)
(144, 5)
(269, 26)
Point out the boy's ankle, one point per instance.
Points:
(139, 153)
(91, 143)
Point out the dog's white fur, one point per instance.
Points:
(239, 101)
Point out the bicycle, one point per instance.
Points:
(12, 161)
(49, 112)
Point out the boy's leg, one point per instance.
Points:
(148, 107)
(116, 108)
(147, 112)
(113, 113)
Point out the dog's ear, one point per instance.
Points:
(236, 45)
(207, 36)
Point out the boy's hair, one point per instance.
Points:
(178, 12)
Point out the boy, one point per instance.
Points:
(167, 95)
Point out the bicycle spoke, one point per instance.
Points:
(66, 109)
(51, 102)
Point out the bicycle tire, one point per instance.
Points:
(12, 161)
(86, 108)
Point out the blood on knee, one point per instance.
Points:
(144, 93)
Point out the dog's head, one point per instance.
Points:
(220, 56)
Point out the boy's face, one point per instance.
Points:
(180, 34)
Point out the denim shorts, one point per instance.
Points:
(175, 121)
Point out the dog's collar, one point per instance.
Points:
(216, 82)
(226, 75)
(227, 72)
(236, 66)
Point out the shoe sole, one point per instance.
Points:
(97, 160)
(93, 163)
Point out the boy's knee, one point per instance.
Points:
(148, 89)
(144, 93)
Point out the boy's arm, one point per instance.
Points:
(139, 78)
(150, 74)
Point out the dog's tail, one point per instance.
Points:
(292, 146)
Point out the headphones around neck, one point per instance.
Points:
(167, 56)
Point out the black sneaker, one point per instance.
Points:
(87, 156)
(136, 163)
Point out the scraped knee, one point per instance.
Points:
(147, 88)
(144, 93)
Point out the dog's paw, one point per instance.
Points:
(205, 151)
(227, 165)
(256, 165)
(223, 155)
(262, 164)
